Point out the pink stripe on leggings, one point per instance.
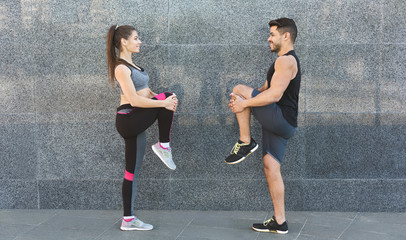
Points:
(129, 176)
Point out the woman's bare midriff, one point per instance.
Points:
(143, 92)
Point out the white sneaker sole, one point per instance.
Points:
(134, 229)
(267, 230)
(156, 153)
(241, 159)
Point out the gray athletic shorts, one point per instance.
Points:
(275, 129)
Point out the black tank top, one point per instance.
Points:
(289, 101)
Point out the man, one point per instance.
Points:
(275, 106)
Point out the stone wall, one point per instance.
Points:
(60, 149)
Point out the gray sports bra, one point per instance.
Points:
(140, 78)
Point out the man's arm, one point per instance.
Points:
(285, 70)
(264, 87)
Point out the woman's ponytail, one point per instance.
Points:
(114, 36)
(111, 53)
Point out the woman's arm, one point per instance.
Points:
(122, 74)
(152, 94)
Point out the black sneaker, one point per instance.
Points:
(240, 151)
(271, 225)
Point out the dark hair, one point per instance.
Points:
(285, 25)
(114, 36)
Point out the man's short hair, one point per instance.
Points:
(285, 25)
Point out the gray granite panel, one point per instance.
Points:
(343, 78)
(75, 93)
(152, 194)
(11, 14)
(101, 194)
(244, 194)
(230, 22)
(393, 83)
(342, 146)
(15, 61)
(18, 194)
(150, 17)
(80, 150)
(216, 194)
(392, 142)
(18, 146)
(67, 12)
(80, 194)
(349, 22)
(394, 17)
(17, 93)
(355, 195)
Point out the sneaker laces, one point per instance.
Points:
(268, 221)
(236, 148)
(166, 152)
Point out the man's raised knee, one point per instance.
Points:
(243, 91)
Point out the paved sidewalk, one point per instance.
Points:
(197, 225)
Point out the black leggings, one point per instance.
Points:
(131, 123)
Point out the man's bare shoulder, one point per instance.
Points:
(285, 61)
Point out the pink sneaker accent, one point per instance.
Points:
(163, 147)
(128, 220)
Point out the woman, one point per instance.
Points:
(138, 110)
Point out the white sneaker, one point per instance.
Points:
(165, 155)
(135, 224)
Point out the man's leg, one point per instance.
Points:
(246, 145)
(276, 224)
(244, 118)
(273, 175)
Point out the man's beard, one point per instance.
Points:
(276, 48)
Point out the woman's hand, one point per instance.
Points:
(171, 102)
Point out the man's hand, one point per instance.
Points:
(236, 103)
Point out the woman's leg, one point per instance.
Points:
(165, 119)
(162, 148)
(134, 154)
(131, 124)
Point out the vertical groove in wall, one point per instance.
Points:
(38, 195)
(380, 70)
(36, 125)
